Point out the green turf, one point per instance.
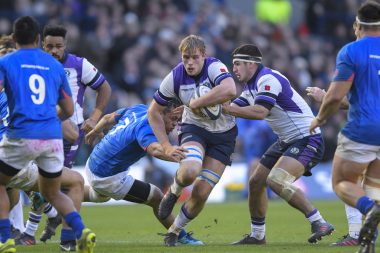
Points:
(133, 228)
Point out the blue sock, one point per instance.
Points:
(5, 230)
(182, 233)
(67, 235)
(74, 220)
(364, 204)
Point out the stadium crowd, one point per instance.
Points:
(134, 43)
(132, 46)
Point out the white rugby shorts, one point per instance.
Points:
(355, 151)
(18, 153)
(116, 186)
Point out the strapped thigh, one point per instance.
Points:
(194, 154)
(209, 176)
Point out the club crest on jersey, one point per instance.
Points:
(294, 150)
(267, 87)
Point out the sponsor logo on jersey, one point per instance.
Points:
(267, 87)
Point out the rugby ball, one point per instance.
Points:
(210, 112)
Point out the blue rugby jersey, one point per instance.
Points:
(124, 144)
(359, 61)
(3, 113)
(34, 82)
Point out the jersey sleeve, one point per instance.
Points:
(64, 90)
(243, 99)
(345, 69)
(165, 93)
(91, 76)
(268, 88)
(145, 136)
(217, 72)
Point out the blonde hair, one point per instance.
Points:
(191, 43)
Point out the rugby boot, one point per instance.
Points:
(167, 205)
(319, 230)
(247, 239)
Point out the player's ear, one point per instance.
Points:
(37, 40)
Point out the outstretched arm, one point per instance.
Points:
(156, 121)
(102, 99)
(106, 122)
(155, 149)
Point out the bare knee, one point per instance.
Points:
(78, 181)
(256, 183)
(186, 176)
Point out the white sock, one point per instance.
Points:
(16, 217)
(315, 215)
(354, 230)
(258, 231)
(176, 188)
(354, 219)
(180, 222)
(50, 211)
(32, 223)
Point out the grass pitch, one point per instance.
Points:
(133, 228)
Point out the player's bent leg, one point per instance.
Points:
(49, 184)
(200, 192)
(368, 231)
(281, 179)
(257, 196)
(186, 174)
(344, 179)
(91, 195)
(6, 173)
(258, 203)
(203, 186)
(168, 202)
(145, 193)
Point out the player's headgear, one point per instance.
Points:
(369, 14)
(247, 53)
